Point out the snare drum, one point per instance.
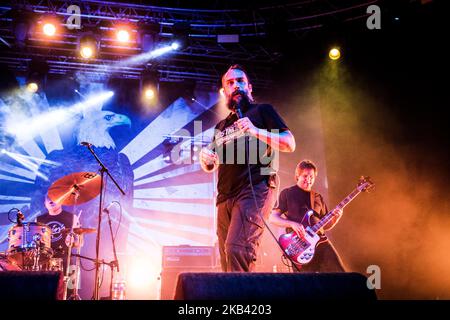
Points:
(27, 242)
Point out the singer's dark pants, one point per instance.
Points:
(240, 227)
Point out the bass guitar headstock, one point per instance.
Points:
(365, 184)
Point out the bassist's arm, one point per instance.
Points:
(279, 219)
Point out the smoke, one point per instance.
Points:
(397, 227)
(402, 225)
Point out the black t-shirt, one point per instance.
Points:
(57, 224)
(230, 146)
(294, 202)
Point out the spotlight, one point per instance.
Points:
(37, 75)
(148, 35)
(175, 45)
(149, 93)
(32, 87)
(49, 24)
(88, 45)
(149, 86)
(49, 29)
(181, 33)
(86, 51)
(334, 54)
(123, 35)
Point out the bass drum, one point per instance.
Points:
(29, 245)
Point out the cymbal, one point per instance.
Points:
(80, 230)
(75, 188)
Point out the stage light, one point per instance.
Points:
(32, 87)
(88, 45)
(180, 31)
(37, 75)
(148, 35)
(334, 54)
(87, 51)
(149, 87)
(49, 29)
(24, 128)
(174, 45)
(149, 93)
(123, 35)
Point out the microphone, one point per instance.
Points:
(237, 108)
(238, 112)
(87, 144)
(19, 218)
(108, 207)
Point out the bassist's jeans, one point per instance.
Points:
(326, 259)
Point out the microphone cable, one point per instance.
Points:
(247, 150)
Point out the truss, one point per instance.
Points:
(203, 59)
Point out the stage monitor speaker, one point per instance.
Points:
(273, 286)
(169, 278)
(31, 285)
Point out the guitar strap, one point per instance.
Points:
(312, 196)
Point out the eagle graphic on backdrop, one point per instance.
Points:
(93, 127)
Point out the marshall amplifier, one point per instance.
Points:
(188, 256)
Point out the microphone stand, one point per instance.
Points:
(103, 169)
(111, 264)
(114, 263)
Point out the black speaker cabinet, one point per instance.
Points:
(31, 285)
(273, 286)
(169, 279)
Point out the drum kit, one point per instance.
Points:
(29, 246)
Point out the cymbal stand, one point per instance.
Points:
(76, 194)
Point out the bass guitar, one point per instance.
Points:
(300, 248)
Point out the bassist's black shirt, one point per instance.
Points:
(294, 202)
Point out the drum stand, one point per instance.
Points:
(76, 194)
(67, 276)
(74, 295)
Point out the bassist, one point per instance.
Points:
(292, 213)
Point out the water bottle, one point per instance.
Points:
(118, 290)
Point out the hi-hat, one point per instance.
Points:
(75, 188)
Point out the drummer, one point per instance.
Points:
(60, 222)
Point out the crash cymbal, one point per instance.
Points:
(75, 188)
(80, 230)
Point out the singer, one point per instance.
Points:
(245, 145)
